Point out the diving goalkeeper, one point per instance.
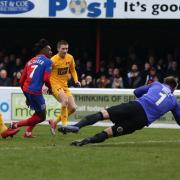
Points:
(152, 102)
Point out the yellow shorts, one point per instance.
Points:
(56, 89)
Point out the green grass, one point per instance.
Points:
(151, 154)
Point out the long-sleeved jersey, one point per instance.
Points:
(35, 74)
(61, 68)
(157, 99)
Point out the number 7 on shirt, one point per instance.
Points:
(34, 68)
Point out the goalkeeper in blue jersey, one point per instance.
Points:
(152, 102)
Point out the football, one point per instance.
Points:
(77, 7)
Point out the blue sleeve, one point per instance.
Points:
(138, 92)
(48, 66)
(176, 113)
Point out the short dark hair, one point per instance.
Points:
(62, 42)
(171, 81)
(42, 43)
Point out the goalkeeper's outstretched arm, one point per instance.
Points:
(140, 91)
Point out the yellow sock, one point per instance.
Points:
(2, 125)
(64, 115)
(58, 119)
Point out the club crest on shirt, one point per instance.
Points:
(67, 63)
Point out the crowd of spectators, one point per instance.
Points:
(118, 71)
(11, 67)
(130, 71)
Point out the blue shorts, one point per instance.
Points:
(36, 102)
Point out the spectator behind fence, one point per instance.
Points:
(4, 80)
(89, 82)
(83, 83)
(110, 73)
(14, 67)
(16, 79)
(89, 69)
(134, 67)
(152, 76)
(117, 80)
(145, 72)
(134, 78)
(173, 70)
(103, 82)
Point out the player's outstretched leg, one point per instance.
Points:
(86, 121)
(9, 133)
(68, 129)
(36, 118)
(4, 131)
(98, 138)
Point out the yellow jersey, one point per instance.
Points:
(61, 67)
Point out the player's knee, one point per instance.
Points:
(73, 109)
(117, 131)
(42, 115)
(105, 114)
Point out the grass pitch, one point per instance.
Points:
(149, 154)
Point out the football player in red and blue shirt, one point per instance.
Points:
(35, 74)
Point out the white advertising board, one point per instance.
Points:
(106, 9)
(12, 102)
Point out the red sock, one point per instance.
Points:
(35, 119)
(30, 128)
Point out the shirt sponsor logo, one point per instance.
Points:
(15, 6)
(62, 71)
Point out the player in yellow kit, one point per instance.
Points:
(4, 131)
(63, 64)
